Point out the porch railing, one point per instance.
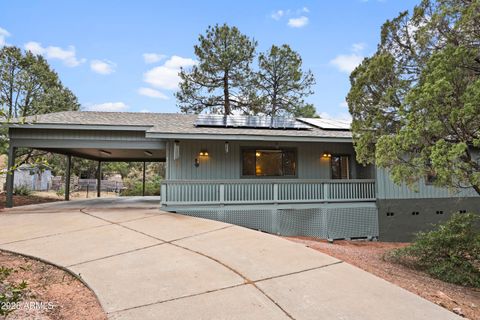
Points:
(265, 191)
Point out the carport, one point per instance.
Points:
(123, 141)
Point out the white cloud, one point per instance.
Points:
(3, 35)
(152, 93)
(298, 22)
(166, 75)
(347, 62)
(102, 66)
(176, 62)
(277, 15)
(67, 56)
(107, 106)
(358, 47)
(305, 9)
(153, 57)
(343, 104)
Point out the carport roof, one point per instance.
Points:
(167, 125)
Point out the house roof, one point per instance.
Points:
(166, 125)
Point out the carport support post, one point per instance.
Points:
(67, 177)
(143, 181)
(99, 178)
(10, 175)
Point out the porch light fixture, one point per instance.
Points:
(326, 155)
(105, 152)
(196, 163)
(258, 154)
(148, 153)
(203, 153)
(226, 147)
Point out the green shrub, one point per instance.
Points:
(451, 252)
(10, 293)
(60, 192)
(152, 188)
(22, 190)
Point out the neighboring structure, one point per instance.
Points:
(3, 169)
(34, 177)
(285, 176)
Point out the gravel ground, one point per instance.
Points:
(368, 256)
(68, 297)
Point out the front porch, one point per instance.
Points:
(265, 191)
(323, 208)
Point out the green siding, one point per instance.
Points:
(222, 165)
(387, 189)
(101, 135)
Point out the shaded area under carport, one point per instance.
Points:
(97, 145)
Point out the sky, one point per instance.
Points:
(125, 55)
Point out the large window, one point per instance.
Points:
(340, 167)
(269, 162)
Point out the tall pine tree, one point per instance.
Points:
(219, 83)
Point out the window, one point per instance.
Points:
(269, 162)
(340, 167)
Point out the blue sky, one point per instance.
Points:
(98, 47)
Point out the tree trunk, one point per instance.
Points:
(274, 109)
(226, 95)
(10, 98)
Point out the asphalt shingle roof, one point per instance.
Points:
(169, 123)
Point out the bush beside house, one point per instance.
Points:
(451, 252)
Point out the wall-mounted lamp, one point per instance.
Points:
(148, 153)
(258, 154)
(326, 155)
(105, 152)
(196, 163)
(226, 147)
(203, 153)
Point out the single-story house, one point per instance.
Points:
(285, 176)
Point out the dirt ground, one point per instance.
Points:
(26, 200)
(38, 197)
(68, 297)
(75, 195)
(368, 256)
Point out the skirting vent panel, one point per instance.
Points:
(327, 223)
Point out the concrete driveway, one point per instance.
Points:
(147, 264)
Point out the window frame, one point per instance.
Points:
(349, 172)
(294, 149)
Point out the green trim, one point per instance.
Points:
(237, 137)
(83, 143)
(67, 126)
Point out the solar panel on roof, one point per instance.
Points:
(327, 124)
(259, 122)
